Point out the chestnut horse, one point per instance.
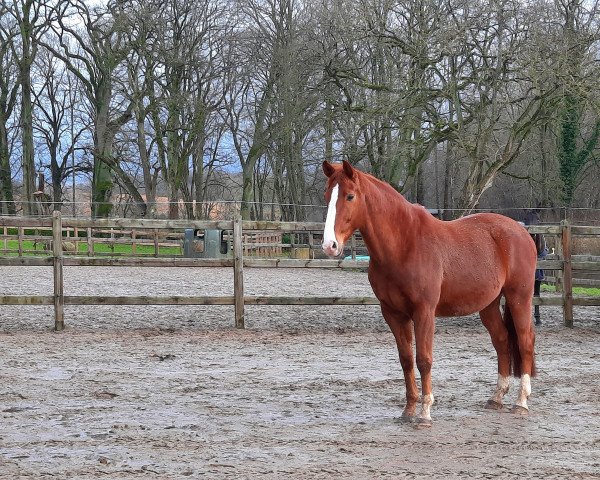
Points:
(421, 267)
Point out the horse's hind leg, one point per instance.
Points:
(519, 313)
(493, 322)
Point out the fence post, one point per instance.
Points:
(20, 234)
(133, 245)
(558, 274)
(567, 291)
(57, 253)
(90, 242)
(238, 272)
(156, 247)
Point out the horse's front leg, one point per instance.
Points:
(424, 321)
(402, 328)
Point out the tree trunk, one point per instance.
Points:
(6, 188)
(328, 132)
(198, 175)
(248, 176)
(247, 189)
(28, 162)
(102, 179)
(149, 183)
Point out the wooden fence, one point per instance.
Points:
(563, 263)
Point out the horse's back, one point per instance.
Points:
(494, 237)
(459, 267)
(483, 255)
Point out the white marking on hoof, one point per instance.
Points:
(426, 407)
(524, 392)
(502, 388)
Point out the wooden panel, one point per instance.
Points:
(299, 263)
(26, 261)
(544, 229)
(147, 223)
(583, 230)
(248, 225)
(147, 300)
(267, 300)
(146, 262)
(26, 299)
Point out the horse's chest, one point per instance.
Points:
(402, 292)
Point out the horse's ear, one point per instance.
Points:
(328, 168)
(348, 169)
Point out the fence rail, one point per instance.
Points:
(563, 263)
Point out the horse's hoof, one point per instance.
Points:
(493, 405)
(408, 414)
(421, 422)
(406, 419)
(519, 410)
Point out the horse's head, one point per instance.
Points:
(345, 202)
(532, 217)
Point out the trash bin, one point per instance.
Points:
(205, 244)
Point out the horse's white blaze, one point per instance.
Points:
(329, 232)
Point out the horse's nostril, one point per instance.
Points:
(334, 245)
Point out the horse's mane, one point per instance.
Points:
(382, 195)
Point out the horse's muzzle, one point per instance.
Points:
(332, 248)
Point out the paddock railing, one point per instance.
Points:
(60, 252)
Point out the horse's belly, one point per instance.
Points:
(461, 294)
(458, 310)
(456, 302)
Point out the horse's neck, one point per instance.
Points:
(389, 221)
(540, 242)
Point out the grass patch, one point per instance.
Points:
(586, 291)
(82, 249)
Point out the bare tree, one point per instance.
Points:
(579, 117)
(389, 66)
(176, 73)
(93, 53)
(271, 98)
(8, 98)
(33, 18)
(249, 85)
(56, 100)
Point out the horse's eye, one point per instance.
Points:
(350, 197)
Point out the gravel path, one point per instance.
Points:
(303, 392)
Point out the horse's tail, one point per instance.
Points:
(513, 346)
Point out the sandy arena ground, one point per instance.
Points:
(303, 392)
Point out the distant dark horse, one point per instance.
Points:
(532, 217)
(421, 267)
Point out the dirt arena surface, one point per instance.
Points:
(303, 392)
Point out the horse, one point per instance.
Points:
(532, 217)
(421, 268)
